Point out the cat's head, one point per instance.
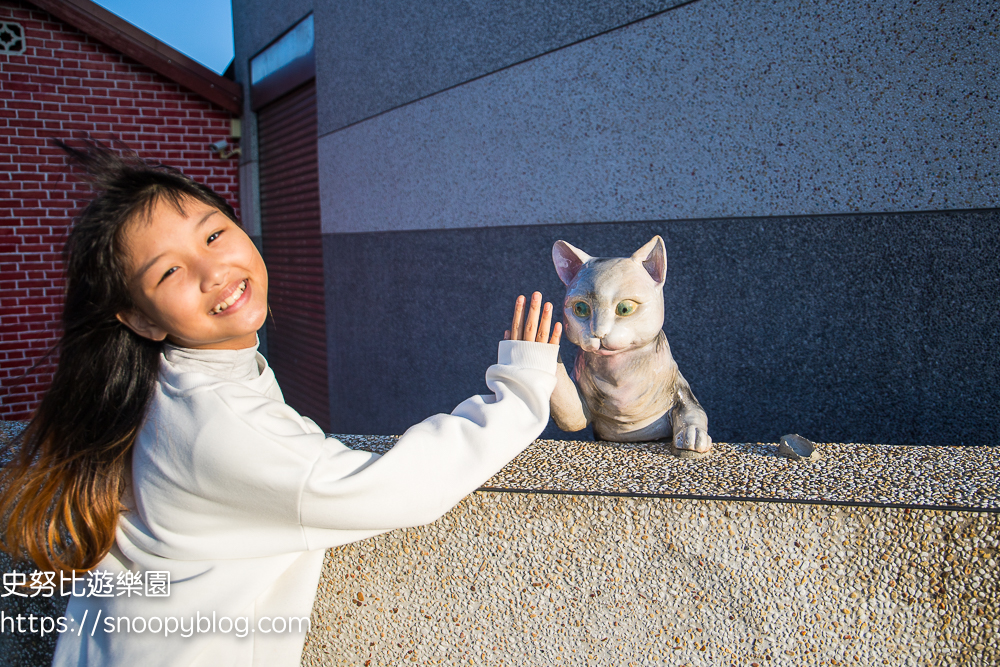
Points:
(612, 304)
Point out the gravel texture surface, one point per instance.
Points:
(16, 648)
(544, 579)
(930, 477)
(933, 477)
(613, 554)
(27, 649)
(8, 429)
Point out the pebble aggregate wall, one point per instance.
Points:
(533, 579)
(599, 577)
(598, 580)
(65, 84)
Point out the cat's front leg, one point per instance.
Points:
(569, 412)
(690, 424)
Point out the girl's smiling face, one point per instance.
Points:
(196, 278)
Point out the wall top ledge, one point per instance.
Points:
(918, 477)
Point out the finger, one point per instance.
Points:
(556, 334)
(506, 334)
(518, 322)
(531, 321)
(544, 324)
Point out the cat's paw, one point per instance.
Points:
(692, 443)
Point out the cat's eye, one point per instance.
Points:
(626, 308)
(581, 309)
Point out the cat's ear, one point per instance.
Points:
(653, 258)
(568, 261)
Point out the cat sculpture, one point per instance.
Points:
(626, 381)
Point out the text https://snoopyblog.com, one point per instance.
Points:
(185, 626)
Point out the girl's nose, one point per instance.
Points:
(213, 274)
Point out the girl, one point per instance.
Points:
(164, 445)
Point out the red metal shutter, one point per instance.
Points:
(293, 250)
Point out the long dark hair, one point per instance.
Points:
(61, 485)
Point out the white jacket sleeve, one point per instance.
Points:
(254, 478)
(440, 460)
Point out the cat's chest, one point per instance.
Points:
(629, 386)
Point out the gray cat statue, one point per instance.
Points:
(627, 383)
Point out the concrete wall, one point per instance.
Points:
(598, 580)
(589, 553)
(595, 580)
(583, 553)
(824, 174)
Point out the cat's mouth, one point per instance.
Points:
(604, 351)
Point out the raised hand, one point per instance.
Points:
(528, 326)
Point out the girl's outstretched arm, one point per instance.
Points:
(439, 461)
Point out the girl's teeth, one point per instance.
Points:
(232, 299)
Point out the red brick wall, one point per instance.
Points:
(63, 84)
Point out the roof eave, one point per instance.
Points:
(142, 47)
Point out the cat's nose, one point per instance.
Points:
(600, 329)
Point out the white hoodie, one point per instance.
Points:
(238, 496)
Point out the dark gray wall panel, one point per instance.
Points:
(377, 55)
(720, 108)
(867, 328)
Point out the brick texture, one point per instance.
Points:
(65, 84)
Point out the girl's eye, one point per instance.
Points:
(581, 309)
(626, 308)
(214, 236)
(167, 274)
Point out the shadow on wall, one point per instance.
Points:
(860, 328)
